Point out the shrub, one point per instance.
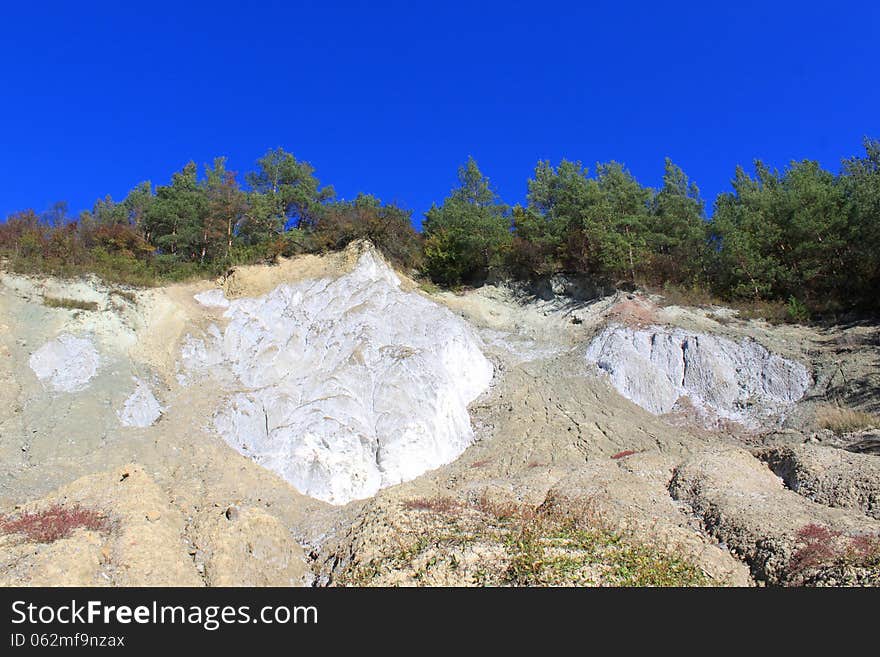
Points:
(797, 310)
(388, 227)
(819, 547)
(54, 523)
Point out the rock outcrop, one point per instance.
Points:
(830, 476)
(744, 505)
(656, 367)
(344, 385)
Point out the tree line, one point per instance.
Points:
(803, 237)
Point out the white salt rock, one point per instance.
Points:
(344, 386)
(656, 366)
(141, 409)
(66, 364)
(212, 298)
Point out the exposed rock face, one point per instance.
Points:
(141, 408)
(655, 367)
(345, 385)
(146, 540)
(66, 364)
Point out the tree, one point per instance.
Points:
(619, 218)
(226, 207)
(56, 215)
(598, 224)
(138, 203)
(106, 212)
(469, 232)
(175, 219)
(554, 225)
(783, 236)
(677, 228)
(860, 184)
(293, 193)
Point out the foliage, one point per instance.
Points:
(562, 542)
(69, 304)
(819, 548)
(469, 233)
(786, 246)
(388, 227)
(290, 191)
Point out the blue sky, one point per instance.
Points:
(390, 97)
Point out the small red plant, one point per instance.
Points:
(816, 547)
(54, 523)
(624, 454)
(820, 546)
(865, 548)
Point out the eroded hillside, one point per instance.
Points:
(326, 421)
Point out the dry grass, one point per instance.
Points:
(678, 295)
(70, 304)
(54, 523)
(844, 420)
(131, 297)
(773, 312)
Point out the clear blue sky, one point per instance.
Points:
(389, 97)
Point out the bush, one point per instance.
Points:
(388, 227)
(797, 310)
(54, 523)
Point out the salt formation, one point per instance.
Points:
(344, 386)
(141, 408)
(212, 299)
(66, 363)
(655, 367)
